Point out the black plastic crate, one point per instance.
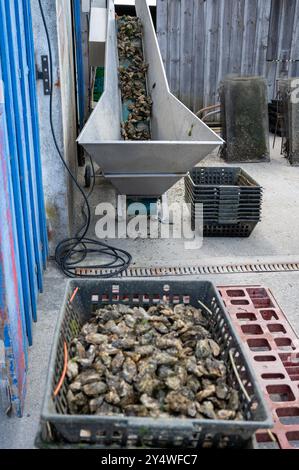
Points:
(241, 229)
(221, 191)
(227, 227)
(213, 199)
(231, 200)
(117, 431)
(208, 201)
(222, 176)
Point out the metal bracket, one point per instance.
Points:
(44, 75)
(5, 395)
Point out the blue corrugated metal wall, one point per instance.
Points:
(23, 235)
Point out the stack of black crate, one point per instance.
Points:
(230, 200)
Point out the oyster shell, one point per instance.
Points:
(96, 338)
(222, 390)
(173, 382)
(126, 393)
(95, 404)
(160, 327)
(94, 389)
(125, 343)
(226, 414)
(177, 403)
(234, 402)
(203, 349)
(129, 370)
(75, 387)
(206, 393)
(146, 350)
(136, 410)
(197, 369)
(88, 376)
(117, 362)
(72, 369)
(216, 369)
(89, 328)
(112, 397)
(130, 321)
(165, 359)
(80, 350)
(149, 402)
(164, 372)
(207, 410)
(146, 384)
(193, 383)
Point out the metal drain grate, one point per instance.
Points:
(193, 270)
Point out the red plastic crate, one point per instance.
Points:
(273, 347)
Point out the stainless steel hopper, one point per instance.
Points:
(179, 139)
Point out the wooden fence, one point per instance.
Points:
(202, 41)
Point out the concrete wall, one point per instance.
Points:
(58, 193)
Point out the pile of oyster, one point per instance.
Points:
(132, 79)
(161, 362)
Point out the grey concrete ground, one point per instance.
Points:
(276, 238)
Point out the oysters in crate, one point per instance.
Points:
(155, 362)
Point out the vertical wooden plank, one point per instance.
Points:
(288, 24)
(227, 12)
(221, 51)
(162, 30)
(208, 22)
(262, 36)
(262, 67)
(174, 34)
(199, 64)
(276, 33)
(186, 51)
(294, 69)
(237, 32)
(212, 64)
(285, 37)
(276, 70)
(275, 16)
(250, 23)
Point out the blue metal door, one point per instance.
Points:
(23, 235)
